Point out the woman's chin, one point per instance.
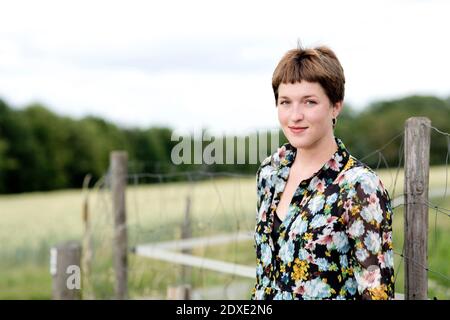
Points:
(299, 142)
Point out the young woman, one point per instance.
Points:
(324, 219)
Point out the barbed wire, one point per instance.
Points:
(439, 131)
(211, 174)
(383, 147)
(399, 264)
(422, 266)
(440, 210)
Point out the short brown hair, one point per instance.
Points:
(318, 64)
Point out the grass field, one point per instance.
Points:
(31, 223)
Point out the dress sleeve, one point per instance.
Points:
(369, 228)
(258, 206)
(259, 192)
(262, 207)
(261, 189)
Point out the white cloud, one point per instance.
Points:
(203, 63)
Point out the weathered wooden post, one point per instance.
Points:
(86, 257)
(417, 156)
(182, 291)
(119, 171)
(186, 233)
(65, 271)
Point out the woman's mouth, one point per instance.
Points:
(297, 130)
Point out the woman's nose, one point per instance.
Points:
(297, 113)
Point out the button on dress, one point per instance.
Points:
(336, 239)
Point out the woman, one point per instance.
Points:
(324, 219)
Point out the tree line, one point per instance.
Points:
(40, 150)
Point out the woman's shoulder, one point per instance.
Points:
(273, 161)
(359, 173)
(265, 169)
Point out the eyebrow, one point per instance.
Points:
(307, 96)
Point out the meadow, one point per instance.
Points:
(30, 224)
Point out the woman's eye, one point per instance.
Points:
(311, 102)
(283, 102)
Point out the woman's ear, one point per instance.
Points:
(337, 108)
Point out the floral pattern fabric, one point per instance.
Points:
(336, 239)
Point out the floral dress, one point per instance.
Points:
(336, 239)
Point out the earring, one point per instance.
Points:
(334, 122)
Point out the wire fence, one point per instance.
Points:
(218, 208)
(445, 279)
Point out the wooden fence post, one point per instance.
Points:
(86, 257)
(65, 271)
(186, 233)
(119, 171)
(417, 156)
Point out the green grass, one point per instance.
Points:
(30, 224)
(27, 281)
(438, 250)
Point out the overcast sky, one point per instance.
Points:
(188, 64)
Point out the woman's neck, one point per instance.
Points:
(316, 155)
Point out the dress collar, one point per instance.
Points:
(326, 175)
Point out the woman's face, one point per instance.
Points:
(305, 113)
